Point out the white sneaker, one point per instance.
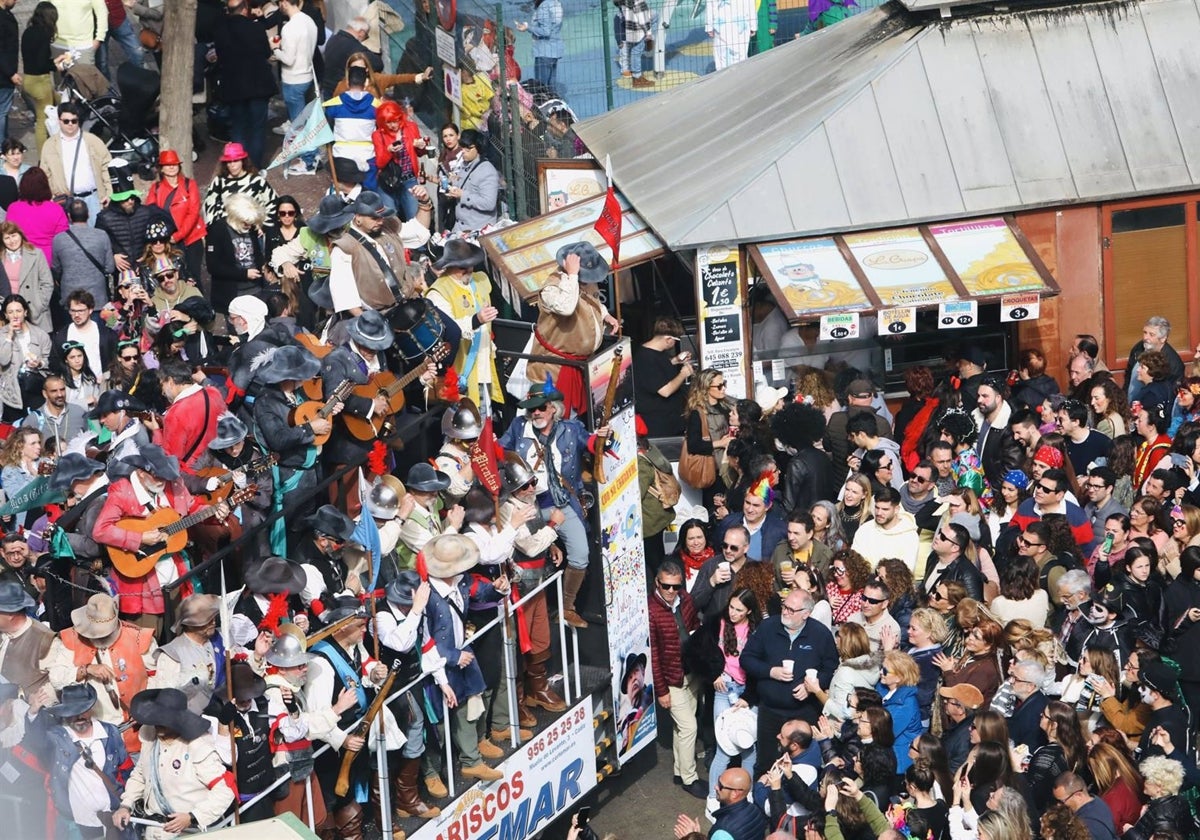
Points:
(283, 128)
(297, 168)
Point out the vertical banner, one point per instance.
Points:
(722, 331)
(624, 560)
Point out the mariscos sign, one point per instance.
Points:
(544, 778)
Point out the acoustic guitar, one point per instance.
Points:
(312, 409)
(391, 388)
(140, 561)
(225, 477)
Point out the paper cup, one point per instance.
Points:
(811, 672)
(788, 665)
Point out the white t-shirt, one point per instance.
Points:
(85, 176)
(85, 788)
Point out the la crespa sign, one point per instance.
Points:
(541, 780)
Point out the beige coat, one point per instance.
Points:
(52, 162)
(193, 780)
(35, 283)
(10, 365)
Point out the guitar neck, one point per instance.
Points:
(405, 380)
(253, 468)
(336, 397)
(189, 520)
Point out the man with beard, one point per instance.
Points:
(803, 645)
(330, 529)
(367, 260)
(998, 450)
(226, 461)
(1154, 337)
(126, 219)
(189, 661)
(24, 642)
(57, 420)
(120, 435)
(99, 342)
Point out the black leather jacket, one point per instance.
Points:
(1170, 813)
(808, 480)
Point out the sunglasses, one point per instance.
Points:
(169, 275)
(1044, 488)
(66, 121)
(1029, 544)
(670, 587)
(916, 479)
(838, 571)
(868, 599)
(720, 387)
(732, 547)
(287, 212)
(727, 787)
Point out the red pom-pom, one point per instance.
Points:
(422, 569)
(377, 459)
(317, 608)
(277, 610)
(450, 386)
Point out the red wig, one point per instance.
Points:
(389, 111)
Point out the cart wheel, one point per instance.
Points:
(147, 172)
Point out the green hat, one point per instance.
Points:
(121, 178)
(541, 393)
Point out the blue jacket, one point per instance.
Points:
(61, 755)
(743, 820)
(439, 627)
(773, 532)
(546, 29)
(769, 645)
(569, 437)
(906, 720)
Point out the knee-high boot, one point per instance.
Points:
(408, 800)
(572, 582)
(349, 821)
(537, 684)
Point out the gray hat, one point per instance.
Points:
(111, 402)
(370, 330)
(966, 520)
(371, 204)
(332, 214)
(280, 364)
(332, 522)
(167, 708)
(593, 268)
(462, 421)
(342, 607)
(459, 253)
(274, 575)
(287, 651)
(153, 459)
(72, 467)
(74, 700)
(400, 590)
(14, 598)
(423, 478)
(196, 611)
(230, 432)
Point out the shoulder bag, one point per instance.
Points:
(699, 471)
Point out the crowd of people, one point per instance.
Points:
(975, 617)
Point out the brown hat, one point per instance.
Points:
(97, 619)
(196, 611)
(965, 693)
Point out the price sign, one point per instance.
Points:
(898, 321)
(1026, 306)
(839, 326)
(957, 314)
(718, 282)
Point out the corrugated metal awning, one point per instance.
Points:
(922, 266)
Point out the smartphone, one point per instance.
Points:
(1108, 543)
(582, 816)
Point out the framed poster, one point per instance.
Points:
(565, 182)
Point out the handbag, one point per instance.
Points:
(665, 488)
(699, 471)
(391, 177)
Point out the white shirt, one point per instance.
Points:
(85, 177)
(297, 40)
(342, 286)
(85, 789)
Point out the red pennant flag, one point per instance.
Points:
(609, 224)
(483, 458)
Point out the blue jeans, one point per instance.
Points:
(574, 535)
(545, 70)
(124, 36)
(723, 700)
(403, 201)
(295, 97)
(7, 95)
(248, 126)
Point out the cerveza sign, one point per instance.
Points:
(895, 259)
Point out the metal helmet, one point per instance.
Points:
(514, 473)
(462, 421)
(289, 649)
(383, 500)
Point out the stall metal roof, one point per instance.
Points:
(893, 117)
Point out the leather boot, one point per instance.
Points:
(349, 820)
(408, 801)
(537, 685)
(436, 787)
(525, 718)
(572, 582)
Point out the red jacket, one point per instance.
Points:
(184, 208)
(187, 429)
(383, 139)
(143, 594)
(666, 653)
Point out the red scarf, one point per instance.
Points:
(693, 562)
(1146, 459)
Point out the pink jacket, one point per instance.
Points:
(40, 222)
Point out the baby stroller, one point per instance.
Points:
(120, 117)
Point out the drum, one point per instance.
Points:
(418, 327)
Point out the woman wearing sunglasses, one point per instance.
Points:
(980, 664)
(849, 573)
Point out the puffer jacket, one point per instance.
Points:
(857, 672)
(128, 230)
(666, 650)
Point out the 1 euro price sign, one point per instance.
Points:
(957, 314)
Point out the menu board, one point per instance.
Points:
(722, 327)
(987, 256)
(900, 266)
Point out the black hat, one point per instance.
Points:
(247, 685)
(1110, 598)
(120, 175)
(974, 354)
(370, 204)
(423, 478)
(332, 214)
(111, 402)
(1161, 677)
(197, 308)
(370, 330)
(342, 607)
(230, 431)
(332, 522)
(400, 590)
(273, 575)
(13, 597)
(459, 253)
(593, 268)
(74, 700)
(632, 662)
(72, 467)
(167, 708)
(279, 364)
(153, 459)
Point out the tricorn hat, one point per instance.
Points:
(1161, 677)
(230, 432)
(72, 467)
(280, 364)
(447, 555)
(153, 459)
(332, 522)
(98, 618)
(274, 575)
(74, 700)
(423, 478)
(459, 253)
(370, 330)
(593, 268)
(167, 708)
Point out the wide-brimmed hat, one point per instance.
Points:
(98, 618)
(197, 308)
(447, 555)
(246, 684)
(370, 330)
(72, 467)
(633, 661)
(196, 611)
(424, 478)
(965, 693)
(283, 363)
(401, 588)
(342, 607)
(273, 575)
(289, 650)
(541, 393)
(459, 253)
(736, 729)
(169, 157)
(332, 214)
(74, 700)
(153, 459)
(167, 708)
(110, 402)
(230, 431)
(384, 498)
(332, 522)
(593, 268)
(120, 175)
(370, 203)
(233, 151)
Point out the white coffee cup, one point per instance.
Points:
(788, 665)
(811, 672)
(724, 566)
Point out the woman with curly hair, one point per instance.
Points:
(814, 388)
(1065, 749)
(827, 525)
(707, 430)
(810, 581)
(980, 664)
(1110, 408)
(1167, 809)
(1118, 782)
(1020, 595)
(19, 459)
(856, 504)
(1060, 823)
(1154, 372)
(1148, 518)
(808, 477)
(915, 414)
(902, 591)
(759, 578)
(849, 573)
(1121, 459)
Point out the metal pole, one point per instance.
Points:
(608, 59)
(449, 747)
(517, 211)
(578, 678)
(312, 817)
(562, 641)
(506, 129)
(385, 792)
(510, 678)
